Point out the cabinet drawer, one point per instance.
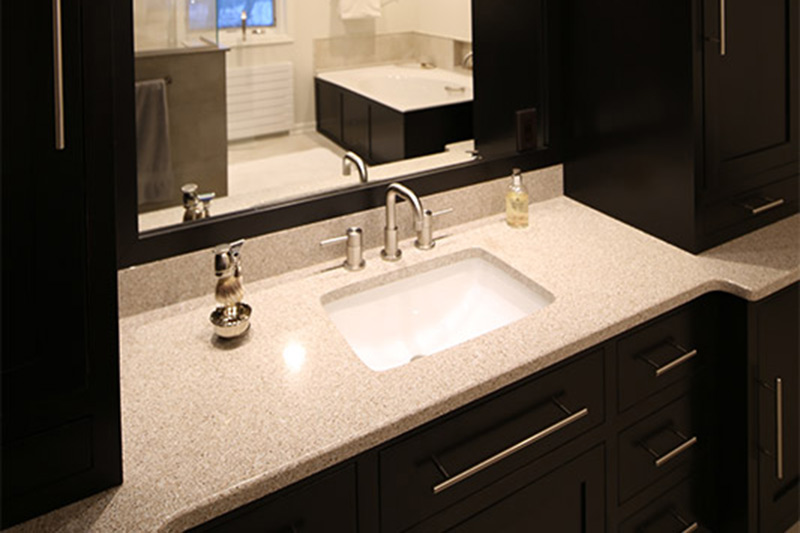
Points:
(750, 210)
(436, 467)
(326, 504)
(664, 441)
(661, 353)
(675, 510)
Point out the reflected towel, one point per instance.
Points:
(359, 9)
(153, 154)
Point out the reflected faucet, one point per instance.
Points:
(244, 25)
(390, 250)
(195, 205)
(467, 62)
(350, 159)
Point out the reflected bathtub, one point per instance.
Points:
(404, 88)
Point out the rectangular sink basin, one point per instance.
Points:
(421, 310)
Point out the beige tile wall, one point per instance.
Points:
(349, 51)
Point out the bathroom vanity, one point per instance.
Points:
(291, 419)
(287, 427)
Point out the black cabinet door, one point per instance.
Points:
(60, 378)
(567, 500)
(751, 93)
(327, 504)
(778, 346)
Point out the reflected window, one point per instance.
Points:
(260, 14)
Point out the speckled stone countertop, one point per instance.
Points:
(208, 427)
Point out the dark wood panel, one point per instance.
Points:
(654, 438)
(667, 341)
(569, 499)
(634, 123)
(325, 504)
(678, 509)
(387, 135)
(58, 251)
(355, 123)
(778, 342)
(329, 109)
(409, 468)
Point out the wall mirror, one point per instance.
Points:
(244, 110)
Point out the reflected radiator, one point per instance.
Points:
(260, 100)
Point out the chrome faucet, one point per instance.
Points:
(467, 62)
(195, 205)
(390, 251)
(244, 25)
(350, 159)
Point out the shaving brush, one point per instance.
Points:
(230, 290)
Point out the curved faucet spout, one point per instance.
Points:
(390, 250)
(392, 191)
(352, 158)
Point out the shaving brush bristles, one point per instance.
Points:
(229, 290)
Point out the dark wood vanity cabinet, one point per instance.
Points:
(683, 117)
(60, 378)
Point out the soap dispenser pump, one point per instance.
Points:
(517, 201)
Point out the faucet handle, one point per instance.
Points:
(425, 240)
(355, 249)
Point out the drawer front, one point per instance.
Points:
(664, 441)
(327, 504)
(435, 468)
(750, 210)
(675, 510)
(661, 353)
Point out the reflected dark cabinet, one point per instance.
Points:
(381, 134)
(683, 117)
(60, 377)
(775, 352)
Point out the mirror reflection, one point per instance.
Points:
(245, 103)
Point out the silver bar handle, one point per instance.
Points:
(723, 30)
(688, 528)
(663, 369)
(58, 76)
(469, 472)
(661, 460)
(677, 362)
(769, 204)
(779, 427)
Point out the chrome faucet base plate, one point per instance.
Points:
(386, 257)
(354, 268)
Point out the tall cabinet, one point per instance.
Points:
(60, 377)
(683, 116)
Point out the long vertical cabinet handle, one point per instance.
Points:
(723, 30)
(58, 75)
(779, 427)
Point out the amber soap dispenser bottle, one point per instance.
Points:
(517, 202)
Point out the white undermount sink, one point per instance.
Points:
(424, 309)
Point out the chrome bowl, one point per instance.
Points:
(232, 320)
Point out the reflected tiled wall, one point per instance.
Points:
(371, 49)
